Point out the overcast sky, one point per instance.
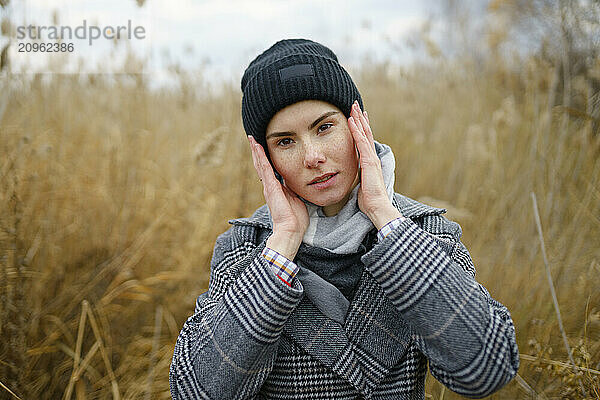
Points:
(223, 35)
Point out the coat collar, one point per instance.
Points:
(408, 207)
(373, 337)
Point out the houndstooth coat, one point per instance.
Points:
(417, 303)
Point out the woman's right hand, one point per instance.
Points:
(288, 211)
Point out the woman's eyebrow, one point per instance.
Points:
(316, 121)
(321, 118)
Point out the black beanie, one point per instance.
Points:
(290, 71)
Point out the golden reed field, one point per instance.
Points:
(112, 195)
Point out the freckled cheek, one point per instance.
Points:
(346, 143)
(349, 151)
(288, 165)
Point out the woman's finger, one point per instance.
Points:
(361, 121)
(368, 158)
(367, 127)
(270, 182)
(354, 131)
(252, 153)
(358, 121)
(359, 138)
(356, 114)
(255, 160)
(261, 165)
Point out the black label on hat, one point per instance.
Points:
(295, 71)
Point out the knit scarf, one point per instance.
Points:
(344, 232)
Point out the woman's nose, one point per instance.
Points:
(313, 155)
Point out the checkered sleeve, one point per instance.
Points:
(427, 273)
(227, 348)
(283, 268)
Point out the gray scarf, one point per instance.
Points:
(345, 231)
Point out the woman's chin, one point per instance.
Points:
(324, 201)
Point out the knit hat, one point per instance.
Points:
(290, 71)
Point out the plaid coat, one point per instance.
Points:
(417, 303)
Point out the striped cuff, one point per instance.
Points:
(389, 227)
(283, 268)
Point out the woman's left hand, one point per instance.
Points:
(372, 194)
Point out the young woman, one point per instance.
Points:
(337, 287)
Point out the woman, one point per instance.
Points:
(337, 287)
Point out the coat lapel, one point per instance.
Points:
(373, 337)
(325, 339)
(380, 334)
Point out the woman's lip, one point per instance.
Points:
(325, 184)
(323, 176)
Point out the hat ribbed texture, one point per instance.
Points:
(317, 76)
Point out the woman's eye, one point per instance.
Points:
(327, 125)
(281, 142)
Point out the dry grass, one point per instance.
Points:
(112, 196)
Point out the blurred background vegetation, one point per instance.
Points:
(112, 194)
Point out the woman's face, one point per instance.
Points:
(307, 140)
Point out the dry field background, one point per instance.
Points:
(111, 197)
